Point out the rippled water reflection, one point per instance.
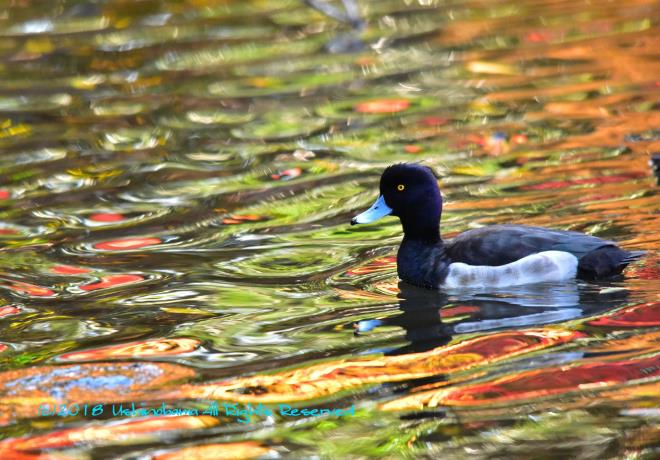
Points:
(177, 182)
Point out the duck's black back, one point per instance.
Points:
(502, 244)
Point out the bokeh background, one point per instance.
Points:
(176, 182)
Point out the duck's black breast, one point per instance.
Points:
(421, 263)
(503, 244)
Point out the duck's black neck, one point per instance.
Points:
(421, 222)
(423, 229)
(424, 235)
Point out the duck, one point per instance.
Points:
(492, 256)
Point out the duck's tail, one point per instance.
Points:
(632, 256)
(606, 262)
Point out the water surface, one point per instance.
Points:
(177, 180)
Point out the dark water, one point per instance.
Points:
(177, 180)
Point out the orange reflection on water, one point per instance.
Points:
(22, 391)
(382, 106)
(332, 377)
(127, 244)
(141, 349)
(112, 281)
(123, 432)
(31, 289)
(379, 265)
(645, 315)
(8, 310)
(233, 450)
(632, 344)
(69, 270)
(535, 384)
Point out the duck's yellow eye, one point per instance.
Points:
(401, 187)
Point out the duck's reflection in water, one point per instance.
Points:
(430, 318)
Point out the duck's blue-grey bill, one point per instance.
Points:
(376, 211)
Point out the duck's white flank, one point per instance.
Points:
(536, 268)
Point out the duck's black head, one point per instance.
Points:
(410, 192)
